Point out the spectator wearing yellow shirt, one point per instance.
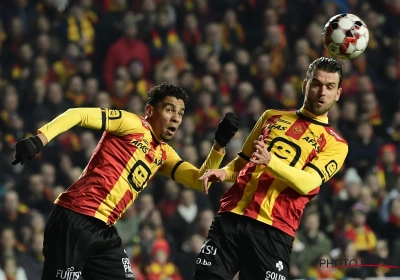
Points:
(78, 28)
(358, 231)
(324, 271)
(67, 66)
(161, 267)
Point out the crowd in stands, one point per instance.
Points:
(228, 55)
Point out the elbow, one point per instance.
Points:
(72, 111)
(304, 191)
(308, 190)
(75, 116)
(308, 187)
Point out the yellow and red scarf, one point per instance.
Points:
(239, 32)
(74, 35)
(172, 37)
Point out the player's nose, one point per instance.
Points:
(175, 118)
(324, 90)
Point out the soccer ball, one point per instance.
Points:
(345, 36)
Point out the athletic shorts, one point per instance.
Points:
(77, 245)
(241, 244)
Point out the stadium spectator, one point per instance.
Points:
(310, 242)
(321, 269)
(32, 261)
(185, 217)
(359, 232)
(124, 50)
(186, 260)
(161, 267)
(128, 227)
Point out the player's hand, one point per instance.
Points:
(261, 156)
(212, 175)
(26, 149)
(226, 129)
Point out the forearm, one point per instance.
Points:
(43, 138)
(69, 119)
(213, 160)
(301, 181)
(189, 175)
(217, 147)
(233, 168)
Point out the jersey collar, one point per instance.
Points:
(310, 115)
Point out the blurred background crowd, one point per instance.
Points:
(240, 55)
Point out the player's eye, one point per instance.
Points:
(180, 114)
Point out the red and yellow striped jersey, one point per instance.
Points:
(305, 151)
(126, 158)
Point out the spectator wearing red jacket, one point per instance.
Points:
(124, 50)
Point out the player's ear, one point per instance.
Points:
(339, 92)
(148, 110)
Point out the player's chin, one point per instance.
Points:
(320, 109)
(167, 137)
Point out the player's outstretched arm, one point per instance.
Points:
(318, 171)
(228, 173)
(114, 121)
(186, 173)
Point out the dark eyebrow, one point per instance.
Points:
(316, 80)
(172, 105)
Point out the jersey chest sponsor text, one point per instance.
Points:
(293, 142)
(144, 163)
(152, 156)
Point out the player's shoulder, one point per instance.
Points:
(278, 112)
(130, 121)
(332, 133)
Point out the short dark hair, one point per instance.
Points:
(159, 92)
(326, 64)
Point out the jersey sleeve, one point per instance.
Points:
(118, 122)
(248, 146)
(326, 164)
(185, 173)
(233, 168)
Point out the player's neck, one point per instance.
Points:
(322, 118)
(153, 133)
